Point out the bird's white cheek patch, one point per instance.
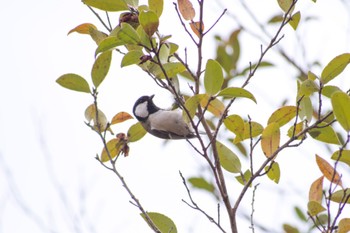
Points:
(141, 110)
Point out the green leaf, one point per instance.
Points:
(341, 109)
(283, 115)
(201, 183)
(290, 229)
(325, 134)
(108, 43)
(191, 105)
(246, 176)
(101, 67)
(107, 5)
(235, 92)
(235, 124)
(270, 139)
(156, 6)
(294, 22)
(285, 5)
(131, 58)
(136, 132)
(340, 196)
(328, 91)
(162, 222)
(251, 129)
(314, 208)
(307, 87)
(305, 109)
(273, 172)
(74, 82)
(171, 69)
(296, 129)
(335, 67)
(213, 77)
(345, 156)
(149, 21)
(300, 213)
(127, 34)
(228, 160)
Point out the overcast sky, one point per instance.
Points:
(49, 179)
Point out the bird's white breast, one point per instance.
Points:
(169, 121)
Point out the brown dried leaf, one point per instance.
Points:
(328, 171)
(195, 27)
(316, 188)
(186, 9)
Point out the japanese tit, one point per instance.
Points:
(166, 124)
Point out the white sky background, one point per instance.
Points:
(49, 179)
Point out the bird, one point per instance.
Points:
(165, 124)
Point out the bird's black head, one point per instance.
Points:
(143, 107)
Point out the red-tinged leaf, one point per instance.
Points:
(121, 117)
(149, 21)
(197, 28)
(228, 160)
(341, 109)
(186, 9)
(316, 190)
(344, 225)
(162, 222)
(283, 115)
(101, 67)
(84, 28)
(335, 67)
(74, 82)
(136, 132)
(107, 5)
(270, 139)
(344, 156)
(314, 208)
(328, 171)
(341, 196)
(213, 77)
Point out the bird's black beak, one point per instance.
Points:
(151, 96)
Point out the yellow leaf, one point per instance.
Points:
(195, 26)
(344, 225)
(186, 9)
(215, 106)
(99, 119)
(283, 115)
(121, 117)
(114, 147)
(328, 171)
(314, 208)
(316, 190)
(270, 139)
